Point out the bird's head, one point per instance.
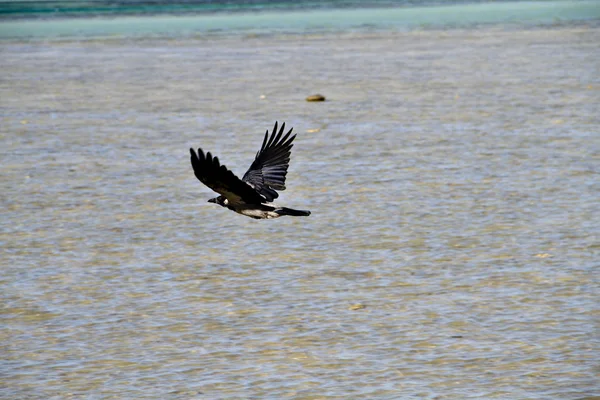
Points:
(218, 200)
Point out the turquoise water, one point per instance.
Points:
(307, 20)
(61, 9)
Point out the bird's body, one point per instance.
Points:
(254, 193)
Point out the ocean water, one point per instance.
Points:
(452, 174)
(83, 8)
(86, 8)
(280, 18)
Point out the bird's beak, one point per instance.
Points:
(212, 201)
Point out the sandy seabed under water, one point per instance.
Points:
(452, 178)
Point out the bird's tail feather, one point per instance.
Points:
(293, 213)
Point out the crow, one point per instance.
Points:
(253, 194)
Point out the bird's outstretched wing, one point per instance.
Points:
(267, 172)
(217, 177)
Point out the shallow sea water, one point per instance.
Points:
(452, 252)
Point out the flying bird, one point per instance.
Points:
(252, 195)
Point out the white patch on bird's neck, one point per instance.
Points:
(225, 202)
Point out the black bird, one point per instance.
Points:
(253, 194)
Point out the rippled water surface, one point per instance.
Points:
(452, 252)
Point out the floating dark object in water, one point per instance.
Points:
(316, 97)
